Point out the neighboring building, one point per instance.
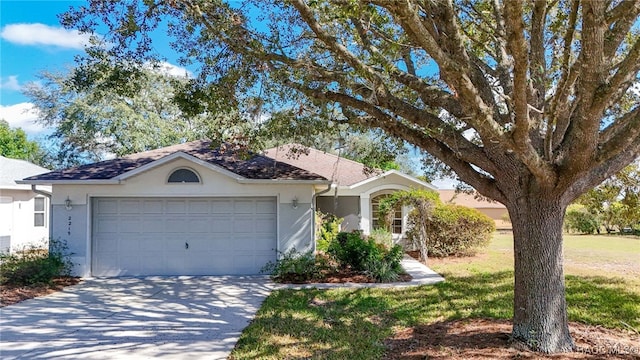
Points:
(24, 214)
(492, 209)
(357, 190)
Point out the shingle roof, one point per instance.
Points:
(14, 169)
(343, 171)
(468, 200)
(255, 167)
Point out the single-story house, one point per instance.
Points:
(181, 210)
(357, 190)
(492, 209)
(189, 209)
(24, 213)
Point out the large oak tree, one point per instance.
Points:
(530, 102)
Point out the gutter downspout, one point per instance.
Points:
(313, 213)
(48, 196)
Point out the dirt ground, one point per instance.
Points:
(490, 339)
(14, 294)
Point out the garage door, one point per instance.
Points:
(178, 236)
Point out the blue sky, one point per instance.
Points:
(31, 41)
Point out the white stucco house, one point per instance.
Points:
(189, 209)
(24, 214)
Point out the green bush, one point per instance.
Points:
(35, 264)
(327, 228)
(578, 219)
(378, 261)
(295, 267)
(382, 236)
(454, 230)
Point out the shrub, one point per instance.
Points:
(382, 236)
(295, 267)
(454, 230)
(378, 261)
(327, 228)
(578, 219)
(35, 264)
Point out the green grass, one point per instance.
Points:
(353, 324)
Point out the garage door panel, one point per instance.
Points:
(221, 206)
(176, 207)
(129, 207)
(106, 225)
(177, 225)
(152, 225)
(197, 207)
(265, 207)
(244, 207)
(199, 225)
(144, 236)
(129, 225)
(106, 206)
(153, 207)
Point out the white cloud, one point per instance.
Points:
(171, 70)
(11, 83)
(22, 115)
(41, 34)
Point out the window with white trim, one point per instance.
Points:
(396, 222)
(39, 211)
(183, 175)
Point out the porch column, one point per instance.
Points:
(365, 214)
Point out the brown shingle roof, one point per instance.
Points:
(255, 167)
(468, 200)
(343, 171)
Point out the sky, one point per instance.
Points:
(31, 41)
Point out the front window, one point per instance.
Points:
(396, 222)
(39, 213)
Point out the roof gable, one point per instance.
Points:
(255, 167)
(416, 181)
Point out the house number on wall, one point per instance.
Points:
(69, 226)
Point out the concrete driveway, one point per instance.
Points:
(155, 317)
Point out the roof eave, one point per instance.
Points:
(70, 182)
(283, 181)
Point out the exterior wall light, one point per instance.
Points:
(67, 204)
(294, 202)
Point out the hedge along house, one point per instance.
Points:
(357, 191)
(181, 210)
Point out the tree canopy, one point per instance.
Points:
(91, 122)
(530, 102)
(14, 144)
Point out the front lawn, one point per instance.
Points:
(362, 324)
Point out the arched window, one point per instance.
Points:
(376, 222)
(184, 175)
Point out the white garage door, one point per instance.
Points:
(180, 236)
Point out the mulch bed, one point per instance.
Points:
(344, 276)
(490, 339)
(11, 294)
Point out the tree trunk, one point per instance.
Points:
(540, 309)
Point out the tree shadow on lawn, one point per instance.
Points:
(363, 323)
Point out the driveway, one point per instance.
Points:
(155, 317)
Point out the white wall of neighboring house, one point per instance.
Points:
(19, 227)
(18, 219)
